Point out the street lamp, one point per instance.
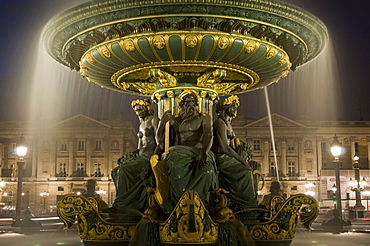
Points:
(2, 185)
(336, 150)
(334, 189)
(357, 186)
(44, 195)
(21, 152)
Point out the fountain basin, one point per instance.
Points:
(116, 43)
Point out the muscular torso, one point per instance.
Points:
(146, 135)
(190, 131)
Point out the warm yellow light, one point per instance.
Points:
(336, 148)
(334, 188)
(351, 183)
(21, 151)
(363, 182)
(45, 193)
(356, 158)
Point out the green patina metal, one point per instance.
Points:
(116, 43)
(166, 49)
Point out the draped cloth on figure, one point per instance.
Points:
(131, 183)
(185, 173)
(239, 181)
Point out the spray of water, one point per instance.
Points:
(272, 133)
(312, 92)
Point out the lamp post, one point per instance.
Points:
(336, 150)
(44, 195)
(357, 186)
(21, 152)
(334, 189)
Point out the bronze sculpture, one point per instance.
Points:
(190, 163)
(235, 173)
(131, 177)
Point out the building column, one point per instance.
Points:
(54, 153)
(34, 158)
(89, 165)
(71, 147)
(107, 161)
(353, 148)
(266, 155)
(284, 150)
(319, 156)
(300, 158)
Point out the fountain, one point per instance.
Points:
(162, 49)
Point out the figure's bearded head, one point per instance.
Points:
(188, 105)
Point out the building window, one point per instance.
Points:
(62, 170)
(323, 147)
(272, 147)
(256, 145)
(97, 170)
(98, 145)
(290, 144)
(81, 145)
(356, 147)
(273, 169)
(80, 169)
(63, 147)
(291, 169)
(14, 148)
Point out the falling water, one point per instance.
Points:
(272, 133)
(57, 93)
(52, 92)
(312, 92)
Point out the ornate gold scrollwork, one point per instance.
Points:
(187, 222)
(90, 58)
(91, 226)
(272, 52)
(142, 87)
(158, 42)
(128, 44)
(251, 46)
(83, 69)
(208, 79)
(221, 213)
(283, 60)
(228, 88)
(165, 79)
(282, 226)
(223, 42)
(105, 50)
(191, 40)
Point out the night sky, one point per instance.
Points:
(347, 21)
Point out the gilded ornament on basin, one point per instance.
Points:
(223, 42)
(105, 51)
(158, 42)
(191, 41)
(128, 44)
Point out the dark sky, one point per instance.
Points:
(347, 21)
